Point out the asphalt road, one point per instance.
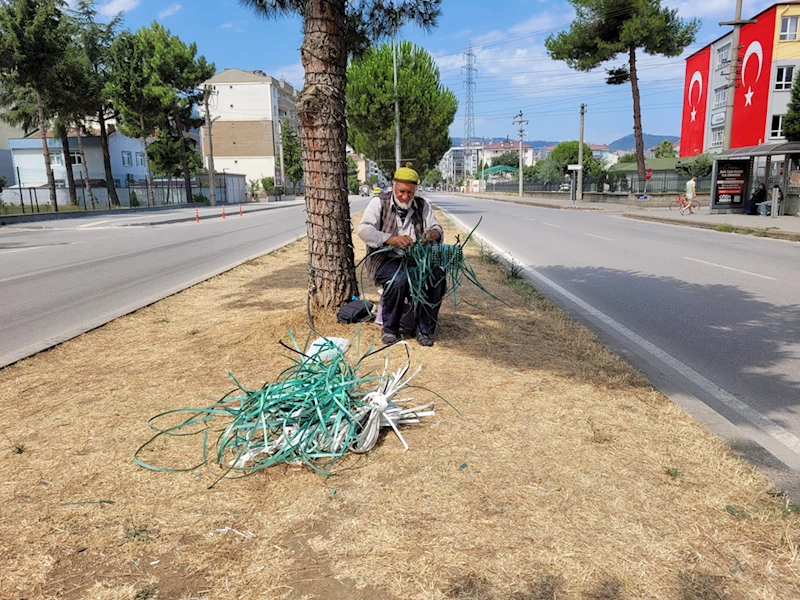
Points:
(711, 318)
(61, 278)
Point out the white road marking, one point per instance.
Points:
(86, 225)
(543, 223)
(608, 239)
(765, 424)
(704, 262)
(22, 249)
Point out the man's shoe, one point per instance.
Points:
(424, 339)
(387, 337)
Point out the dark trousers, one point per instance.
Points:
(396, 291)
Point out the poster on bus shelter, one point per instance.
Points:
(730, 185)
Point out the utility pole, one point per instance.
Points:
(580, 156)
(212, 188)
(733, 72)
(521, 122)
(397, 146)
(469, 113)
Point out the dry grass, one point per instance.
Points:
(581, 481)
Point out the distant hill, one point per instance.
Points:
(535, 143)
(629, 143)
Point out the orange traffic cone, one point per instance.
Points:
(223, 211)
(196, 215)
(240, 210)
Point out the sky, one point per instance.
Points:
(514, 72)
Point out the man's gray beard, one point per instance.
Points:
(403, 205)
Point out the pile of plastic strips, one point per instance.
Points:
(316, 411)
(426, 265)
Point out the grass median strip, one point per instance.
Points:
(568, 475)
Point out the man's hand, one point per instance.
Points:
(400, 241)
(430, 237)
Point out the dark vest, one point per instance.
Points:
(388, 224)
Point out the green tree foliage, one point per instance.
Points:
(268, 185)
(352, 176)
(433, 177)
(604, 29)
(628, 158)
(427, 108)
(165, 155)
(699, 166)
(292, 160)
(791, 120)
(254, 185)
(33, 38)
(510, 159)
(665, 149)
(373, 180)
(566, 153)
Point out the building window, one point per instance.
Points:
(723, 56)
(720, 97)
(717, 133)
(776, 130)
(783, 79)
(57, 159)
(139, 159)
(127, 159)
(788, 29)
(76, 158)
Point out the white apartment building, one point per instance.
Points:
(247, 108)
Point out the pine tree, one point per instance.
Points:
(292, 160)
(333, 30)
(603, 29)
(427, 108)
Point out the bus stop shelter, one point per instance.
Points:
(737, 173)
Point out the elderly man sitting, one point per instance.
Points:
(398, 219)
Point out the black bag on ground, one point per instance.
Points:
(356, 311)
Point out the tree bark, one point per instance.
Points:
(73, 195)
(151, 198)
(323, 135)
(85, 168)
(637, 118)
(112, 188)
(187, 177)
(51, 182)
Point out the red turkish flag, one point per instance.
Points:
(751, 99)
(695, 95)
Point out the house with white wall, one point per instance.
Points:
(247, 108)
(127, 158)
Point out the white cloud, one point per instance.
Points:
(169, 11)
(226, 26)
(109, 9)
(294, 74)
(542, 23)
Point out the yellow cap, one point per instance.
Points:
(406, 174)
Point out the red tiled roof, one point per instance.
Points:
(598, 146)
(72, 133)
(504, 145)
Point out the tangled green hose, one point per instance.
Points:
(313, 413)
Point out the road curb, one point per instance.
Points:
(216, 216)
(777, 234)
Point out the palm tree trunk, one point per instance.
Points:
(85, 167)
(187, 177)
(637, 118)
(73, 195)
(151, 199)
(323, 133)
(112, 188)
(51, 182)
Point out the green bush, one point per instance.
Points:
(199, 198)
(133, 199)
